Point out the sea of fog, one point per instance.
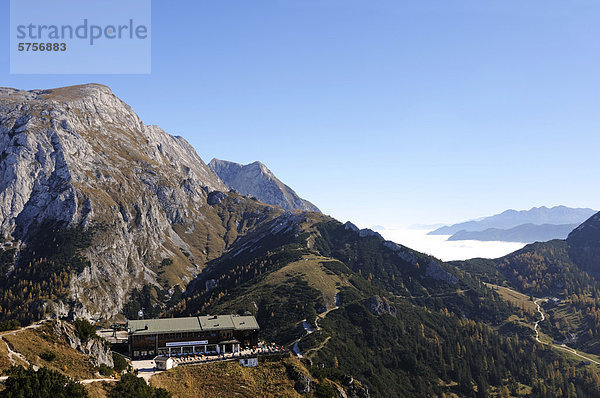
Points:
(440, 247)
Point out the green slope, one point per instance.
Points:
(407, 324)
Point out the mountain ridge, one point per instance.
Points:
(525, 233)
(255, 179)
(584, 243)
(557, 215)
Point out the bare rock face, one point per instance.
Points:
(378, 306)
(255, 179)
(303, 381)
(355, 388)
(434, 270)
(79, 156)
(348, 226)
(94, 347)
(56, 143)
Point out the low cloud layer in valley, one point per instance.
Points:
(440, 247)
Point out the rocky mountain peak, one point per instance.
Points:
(79, 156)
(59, 142)
(60, 94)
(255, 179)
(263, 168)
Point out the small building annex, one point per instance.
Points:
(191, 335)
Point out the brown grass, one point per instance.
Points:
(98, 389)
(310, 269)
(32, 342)
(228, 379)
(514, 297)
(4, 359)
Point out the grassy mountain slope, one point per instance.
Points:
(406, 324)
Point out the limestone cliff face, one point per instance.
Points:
(257, 180)
(96, 348)
(79, 156)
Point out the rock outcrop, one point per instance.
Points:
(303, 382)
(95, 347)
(379, 305)
(434, 270)
(355, 389)
(255, 179)
(361, 232)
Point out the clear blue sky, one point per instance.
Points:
(381, 112)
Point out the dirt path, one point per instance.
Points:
(537, 323)
(16, 358)
(88, 381)
(309, 330)
(323, 315)
(319, 346)
(15, 331)
(563, 347)
(12, 354)
(437, 295)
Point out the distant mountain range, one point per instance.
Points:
(536, 224)
(520, 233)
(256, 180)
